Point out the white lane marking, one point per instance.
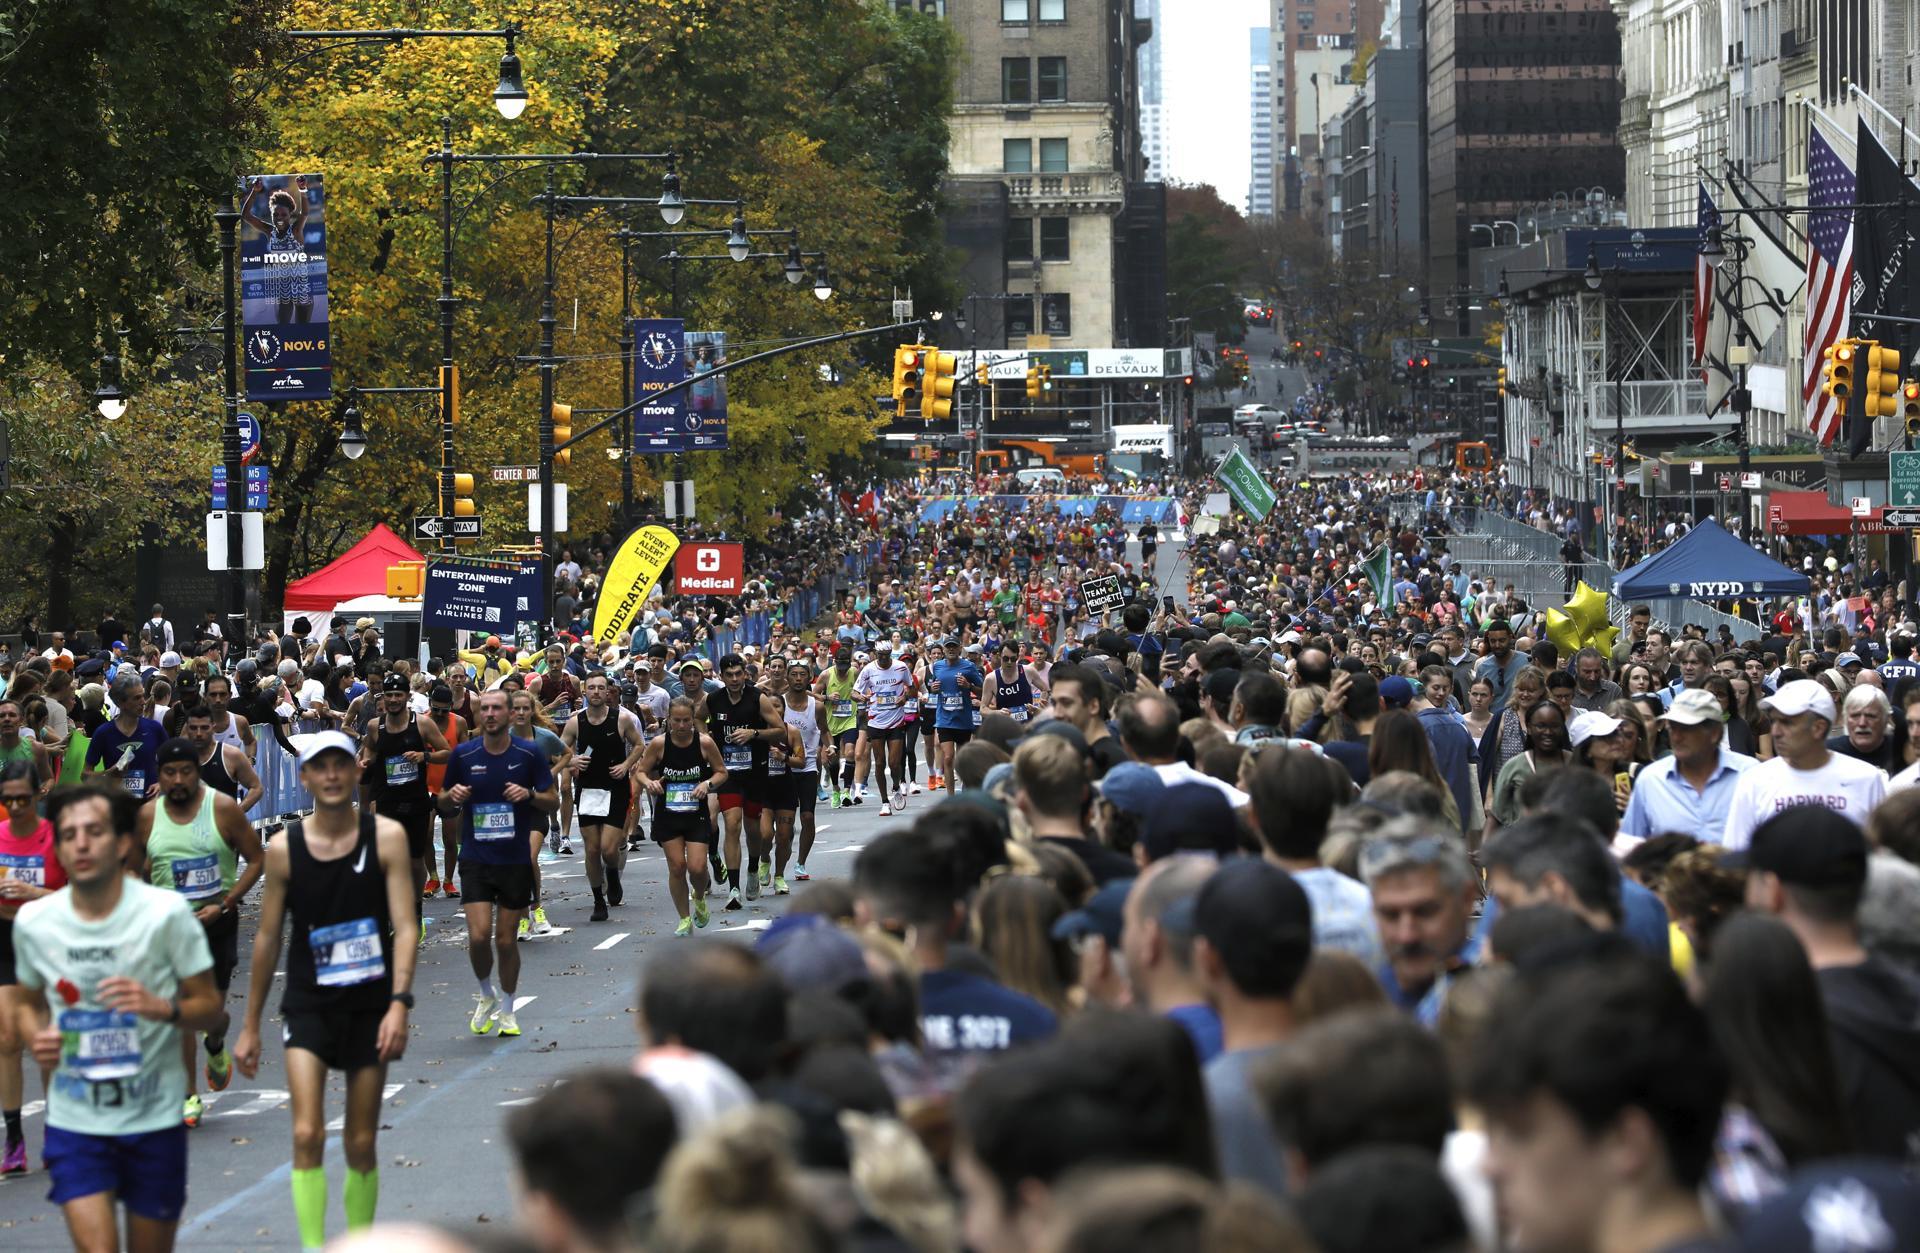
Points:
(752, 924)
(521, 1002)
(611, 940)
(386, 1094)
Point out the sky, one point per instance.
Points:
(1205, 82)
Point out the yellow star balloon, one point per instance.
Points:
(1588, 609)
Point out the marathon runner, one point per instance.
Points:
(954, 682)
(500, 786)
(453, 729)
(394, 756)
(1011, 692)
(843, 722)
(783, 755)
(648, 701)
(223, 767)
(29, 870)
(125, 747)
(884, 684)
(530, 723)
(806, 716)
(743, 721)
(228, 727)
(681, 769)
(344, 879)
(110, 971)
(910, 721)
(190, 839)
(606, 741)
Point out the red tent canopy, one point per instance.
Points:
(360, 571)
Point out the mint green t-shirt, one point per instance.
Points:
(118, 1074)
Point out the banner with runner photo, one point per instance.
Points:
(706, 409)
(283, 287)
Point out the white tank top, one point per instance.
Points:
(231, 735)
(807, 722)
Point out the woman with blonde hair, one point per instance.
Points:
(1012, 925)
(734, 1187)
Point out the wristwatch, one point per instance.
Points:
(405, 998)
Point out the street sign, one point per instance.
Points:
(1696, 468)
(1862, 506)
(1900, 518)
(516, 474)
(1903, 478)
(1101, 594)
(249, 439)
(256, 488)
(1726, 482)
(433, 526)
(1750, 480)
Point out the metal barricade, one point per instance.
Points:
(280, 777)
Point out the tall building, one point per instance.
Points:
(1523, 110)
(1260, 83)
(1153, 107)
(1044, 161)
(1310, 27)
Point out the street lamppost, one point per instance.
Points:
(1595, 279)
(1740, 398)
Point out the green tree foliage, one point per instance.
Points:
(1211, 263)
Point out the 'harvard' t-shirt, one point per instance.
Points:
(1846, 785)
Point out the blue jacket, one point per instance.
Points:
(1453, 753)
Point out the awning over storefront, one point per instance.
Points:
(1810, 513)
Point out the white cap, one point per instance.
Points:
(169, 659)
(1802, 696)
(1694, 706)
(1589, 725)
(311, 746)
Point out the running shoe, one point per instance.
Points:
(452, 891)
(683, 929)
(599, 913)
(483, 1007)
(219, 1070)
(566, 849)
(193, 1113)
(859, 798)
(779, 886)
(433, 885)
(733, 899)
(766, 870)
(913, 787)
(800, 874)
(540, 924)
(509, 1025)
(753, 885)
(524, 931)
(615, 893)
(701, 915)
(15, 1161)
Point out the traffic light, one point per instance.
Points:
(462, 506)
(906, 365)
(453, 392)
(1836, 371)
(1910, 408)
(936, 399)
(1500, 380)
(1033, 382)
(1046, 380)
(1297, 345)
(1880, 389)
(562, 432)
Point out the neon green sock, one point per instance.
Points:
(362, 1195)
(310, 1206)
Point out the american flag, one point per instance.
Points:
(1703, 276)
(1829, 275)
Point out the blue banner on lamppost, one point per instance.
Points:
(283, 287)
(659, 361)
(707, 397)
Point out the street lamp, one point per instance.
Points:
(738, 245)
(510, 97)
(353, 435)
(673, 206)
(108, 398)
(822, 286)
(1591, 275)
(796, 270)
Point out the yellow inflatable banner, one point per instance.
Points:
(637, 565)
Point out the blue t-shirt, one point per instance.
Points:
(142, 769)
(494, 829)
(952, 703)
(963, 1013)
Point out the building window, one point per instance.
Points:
(1019, 239)
(1016, 156)
(1020, 316)
(1053, 78)
(1053, 156)
(1053, 239)
(1013, 10)
(1052, 10)
(1016, 80)
(1056, 314)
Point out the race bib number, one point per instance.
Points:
(680, 798)
(135, 781)
(1018, 714)
(29, 868)
(493, 820)
(401, 771)
(910, 706)
(99, 1044)
(954, 701)
(197, 878)
(595, 802)
(347, 953)
(843, 709)
(738, 757)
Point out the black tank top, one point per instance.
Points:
(399, 784)
(727, 715)
(1013, 698)
(682, 770)
(341, 950)
(604, 742)
(214, 773)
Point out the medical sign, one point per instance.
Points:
(710, 569)
(283, 287)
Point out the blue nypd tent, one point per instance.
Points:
(1708, 564)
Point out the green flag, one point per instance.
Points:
(1241, 478)
(1379, 570)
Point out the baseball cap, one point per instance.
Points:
(1799, 697)
(169, 658)
(1808, 846)
(1220, 684)
(1395, 692)
(1848, 659)
(1131, 787)
(1253, 913)
(1694, 706)
(312, 746)
(1189, 818)
(492, 641)
(642, 666)
(1588, 724)
(883, 646)
(1101, 915)
(1841, 1204)
(394, 683)
(692, 661)
(179, 748)
(808, 951)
